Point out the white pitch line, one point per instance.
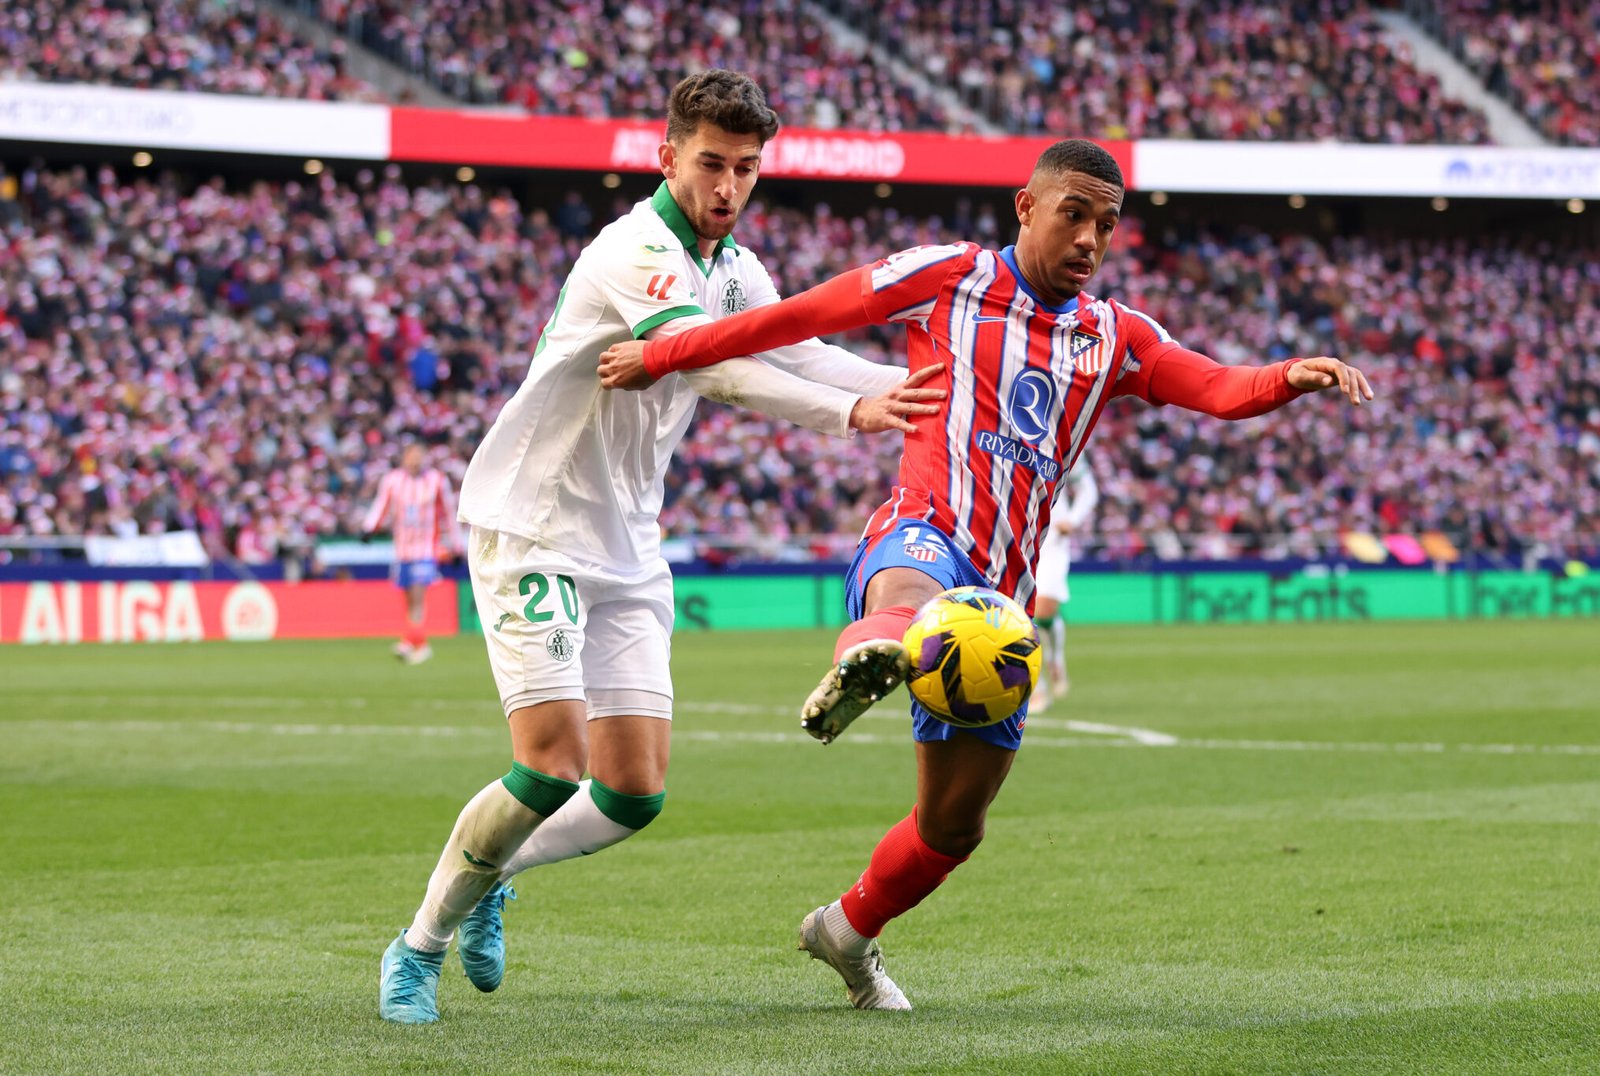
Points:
(280, 702)
(1147, 737)
(775, 737)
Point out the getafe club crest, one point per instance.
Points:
(733, 299)
(560, 646)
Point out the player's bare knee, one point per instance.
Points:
(899, 586)
(957, 843)
(631, 781)
(950, 836)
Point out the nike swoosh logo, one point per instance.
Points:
(979, 319)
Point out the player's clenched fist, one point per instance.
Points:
(622, 366)
(878, 414)
(1324, 371)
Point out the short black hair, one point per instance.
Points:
(724, 98)
(1080, 155)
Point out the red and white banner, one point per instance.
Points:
(145, 612)
(157, 119)
(463, 137)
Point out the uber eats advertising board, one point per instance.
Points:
(736, 602)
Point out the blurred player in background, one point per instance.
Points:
(415, 503)
(563, 497)
(1033, 360)
(1074, 506)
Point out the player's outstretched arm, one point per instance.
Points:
(830, 307)
(1194, 381)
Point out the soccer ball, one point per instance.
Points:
(974, 657)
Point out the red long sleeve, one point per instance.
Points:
(1190, 379)
(830, 307)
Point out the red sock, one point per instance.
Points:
(888, 623)
(415, 637)
(903, 870)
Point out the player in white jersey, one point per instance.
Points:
(415, 503)
(1074, 506)
(563, 496)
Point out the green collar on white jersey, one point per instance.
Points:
(667, 209)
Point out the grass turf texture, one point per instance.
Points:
(1372, 849)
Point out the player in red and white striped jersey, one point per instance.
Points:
(417, 505)
(1030, 361)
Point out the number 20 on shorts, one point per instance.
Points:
(537, 584)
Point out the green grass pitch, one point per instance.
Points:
(1308, 849)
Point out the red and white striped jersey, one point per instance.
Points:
(419, 511)
(1027, 383)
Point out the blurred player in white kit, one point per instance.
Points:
(1076, 499)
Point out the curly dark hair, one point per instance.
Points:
(725, 98)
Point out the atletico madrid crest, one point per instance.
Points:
(1087, 355)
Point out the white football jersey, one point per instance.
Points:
(580, 469)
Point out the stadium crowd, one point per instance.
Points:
(1313, 70)
(611, 58)
(1543, 56)
(237, 47)
(1310, 70)
(1213, 69)
(246, 361)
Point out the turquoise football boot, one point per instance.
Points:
(408, 984)
(482, 939)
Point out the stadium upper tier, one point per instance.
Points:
(246, 361)
(1213, 69)
(234, 47)
(1543, 56)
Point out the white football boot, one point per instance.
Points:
(868, 984)
(864, 674)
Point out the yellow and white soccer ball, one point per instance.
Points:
(974, 657)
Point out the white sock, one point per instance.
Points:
(1058, 643)
(577, 829)
(844, 935)
(492, 825)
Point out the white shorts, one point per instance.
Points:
(1055, 557)
(557, 628)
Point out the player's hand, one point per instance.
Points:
(622, 366)
(878, 414)
(1324, 371)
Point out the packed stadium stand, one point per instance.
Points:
(1216, 69)
(1543, 56)
(603, 58)
(238, 47)
(244, 359)
(1314, 70)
